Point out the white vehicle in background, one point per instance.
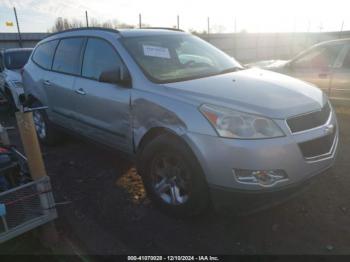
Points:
(11, 63)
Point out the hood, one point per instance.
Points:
(254, 91)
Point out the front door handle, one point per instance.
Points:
(80, 91)
(322, 75)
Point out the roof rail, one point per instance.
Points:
(85, 28)
(164, 28)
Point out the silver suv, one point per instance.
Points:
(200, 126)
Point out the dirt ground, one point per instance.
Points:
(102, 207)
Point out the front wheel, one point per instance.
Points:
(173, 178)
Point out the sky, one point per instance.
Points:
(225, 15)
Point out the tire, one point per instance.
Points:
(173, 178)
(46, 132)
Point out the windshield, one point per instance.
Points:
(172, 58)
(16, 60)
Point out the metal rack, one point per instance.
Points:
(26, 207)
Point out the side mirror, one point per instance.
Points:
(118, 76)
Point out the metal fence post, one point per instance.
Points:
(87, 19)
(19, 32)
(208, 24)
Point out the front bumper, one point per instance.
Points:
(219, 157)
(246, 202)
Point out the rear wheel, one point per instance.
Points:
(173, 178)
(45, 130)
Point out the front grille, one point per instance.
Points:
(319, 146)
(308, 121)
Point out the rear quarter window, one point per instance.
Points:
(44, 53)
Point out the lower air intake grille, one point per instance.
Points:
(308, 121)
(319, 146)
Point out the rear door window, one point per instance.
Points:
(69, 55)
(43, 54)
(99, 57)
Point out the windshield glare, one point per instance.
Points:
(16, 60)
(172, 58)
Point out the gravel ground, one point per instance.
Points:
(105, 210)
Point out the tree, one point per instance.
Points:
(64, 24)
(195, 32)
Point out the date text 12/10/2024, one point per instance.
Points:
(173, 258)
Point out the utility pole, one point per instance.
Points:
(208, 23)
(178, 22)
(235, 24)
(19, 32)
(341, 29)
(294, 25)
(87, 19)
(320, 27)
(140, 21)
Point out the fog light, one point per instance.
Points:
(260, 177)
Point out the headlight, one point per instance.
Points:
(232, 124)
(17, 84)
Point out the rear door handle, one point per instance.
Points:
(47, 83)
(80, 91)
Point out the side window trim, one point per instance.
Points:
(83, 55)
(54, 54)
(110, 44)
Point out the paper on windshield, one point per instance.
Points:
(156, 51)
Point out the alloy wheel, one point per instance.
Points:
(39, 124)
(170, 178)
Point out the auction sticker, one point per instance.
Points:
(156, 51)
